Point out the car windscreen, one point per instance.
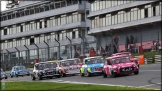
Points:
(120, 60)
(22, 67)
(94, 61)
(41, 66)
(51, 65)
(72, 62)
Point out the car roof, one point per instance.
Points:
(18, 66)
(92, 57)
(117, 56)
(40, 62)
(68, 59)
(121, 53)
(52, 61)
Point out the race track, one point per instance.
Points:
(149, 76)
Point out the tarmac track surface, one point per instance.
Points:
(149, 76)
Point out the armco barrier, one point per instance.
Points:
(148, 60)
(157, 58)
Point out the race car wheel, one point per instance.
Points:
(136, 72)
(33, 77)
(104, 74)
(28, 74)
(89, 74)
(114, 74)
(16, 75)
(39, 77)
(82, 74)
(11, 76)
(6, 77)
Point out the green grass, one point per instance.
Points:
(148, 54)
(61, 86)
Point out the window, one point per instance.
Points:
(57, 5)
(75, 17)
(97, 5)
(128, 15)
(31, 11)
(45, 23)
(13, 16)
(58, 20)
(32, 41)
(82, 17)
(139, 13)
(108, 19)
(153, 11)
(132, 14)
(101, 20)
(63, 19)
(73, 35)
(75, 1)
(60, 37)
(46, 7)
(2, 32)
(17, 14)
(5, 31)
(52, 6)
(63, 35)
(76, 33)
(146, 13)
(63, 4)
(92, 7)
(27, 12)
(122, 16)
(101, 5)
(113, 20)
(53, 21)
(48, 37)
(52, 36)
(9, 16)
(92, 23)
(69, 2)
(21, 28)
(41, 9)
(69, 18)
(14, 43)
(22, 13)
(37, 10)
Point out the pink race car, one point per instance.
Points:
(119, 65)
(132, 58)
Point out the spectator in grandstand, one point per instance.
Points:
(92, 52)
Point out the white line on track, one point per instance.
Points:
(150, 70)
(150, 85)
(73, 82)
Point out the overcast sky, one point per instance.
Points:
(3, 5)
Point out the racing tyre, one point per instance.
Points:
(28, 74)
(39, 77)
(136, 72)
(11, 76)
(33, 78)
(89, 74)
(104, 74)
(6, 77)
(114, 74)
(81, 74)
(16, 75)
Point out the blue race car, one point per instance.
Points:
(92, 66)
(19, 71)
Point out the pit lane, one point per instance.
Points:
(149, 76)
